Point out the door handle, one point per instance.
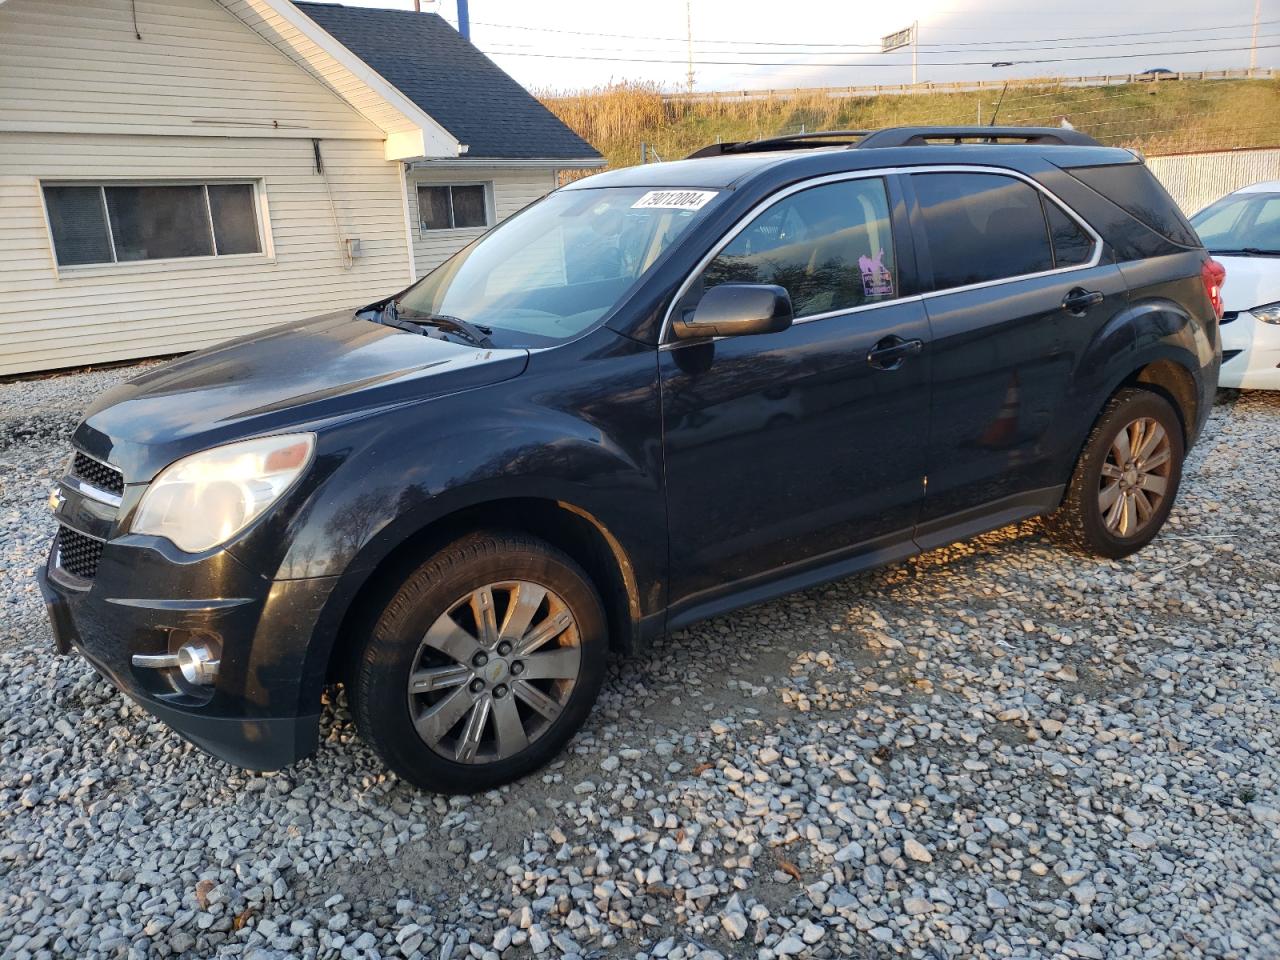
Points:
(889, 353)
(1078, 300)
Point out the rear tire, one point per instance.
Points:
(483, 665)
(1125, 482)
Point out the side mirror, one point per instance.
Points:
(737, 310)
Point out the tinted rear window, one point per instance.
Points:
(981, 227)
(1133, 188)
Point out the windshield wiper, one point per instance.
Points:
(389, 314)
(441, 321)
(1247, 252)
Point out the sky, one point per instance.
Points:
(752, 44)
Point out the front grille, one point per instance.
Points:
(1229, 317)
(78, 554)
(97, 474)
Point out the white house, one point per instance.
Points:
(177, 172)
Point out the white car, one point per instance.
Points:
(1242, 232)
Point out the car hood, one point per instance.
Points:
(1251, 281)
(295, 376)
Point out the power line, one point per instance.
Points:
(875, 47)
(813, 63)
(503, 46)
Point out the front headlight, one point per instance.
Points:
(207, 498)
(1268, 312)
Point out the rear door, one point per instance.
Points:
(800, 447)
(1016, 289)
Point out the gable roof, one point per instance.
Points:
(410, 132)
(460, 88)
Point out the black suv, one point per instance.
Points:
(658, 394)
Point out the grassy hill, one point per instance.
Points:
(1168, 117)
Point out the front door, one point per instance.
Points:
(790, 450)
(1018, 293)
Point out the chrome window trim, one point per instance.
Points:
(665, 340)
(1092, 262)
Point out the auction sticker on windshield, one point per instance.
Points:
(675, 199)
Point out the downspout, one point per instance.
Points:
(344, 251)
(407, 208)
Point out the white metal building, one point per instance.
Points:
(1195, 180)
(174, 173)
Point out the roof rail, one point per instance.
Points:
(921, 136)
(791, 141)
(903, 137)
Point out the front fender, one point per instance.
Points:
(396, 483)
(580, 429)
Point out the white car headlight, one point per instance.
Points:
(1268, 312)
(207, 498)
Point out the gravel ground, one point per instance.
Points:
(994, 750)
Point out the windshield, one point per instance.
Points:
(1247, 222)
(558, 267)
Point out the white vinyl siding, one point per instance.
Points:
(511, 190)
(327, 68)
(97, 314)
(67, 66)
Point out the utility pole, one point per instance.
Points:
(1253, 46)
(915, 47)
(688, 26)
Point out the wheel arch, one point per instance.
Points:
(564, 525)
(1175, 383)
(1168, 375)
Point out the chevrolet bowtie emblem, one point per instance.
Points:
(56, 499)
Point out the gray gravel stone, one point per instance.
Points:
(995, 750)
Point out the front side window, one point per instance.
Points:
(982, 227)
(122, 223)
(452, 207)
(560, 265)
(830, 247)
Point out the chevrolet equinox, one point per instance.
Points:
(658, 394)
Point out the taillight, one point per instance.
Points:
(1213, 274)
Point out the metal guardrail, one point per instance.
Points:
(898, 89)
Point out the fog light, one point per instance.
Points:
(198, 662)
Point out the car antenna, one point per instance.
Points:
(996, 111)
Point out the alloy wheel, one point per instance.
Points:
(494, 671)
(1135, 477)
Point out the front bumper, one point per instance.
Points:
(1253, 353)
(262, 711)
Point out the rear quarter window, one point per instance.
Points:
(1136, 191)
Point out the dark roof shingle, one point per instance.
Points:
(456, 84)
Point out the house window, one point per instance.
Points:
(122, 223)
(453, 207)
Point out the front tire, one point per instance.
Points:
(1126, 480)
(483, 665)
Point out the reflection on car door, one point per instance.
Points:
(791, 449)
(1004, 260)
